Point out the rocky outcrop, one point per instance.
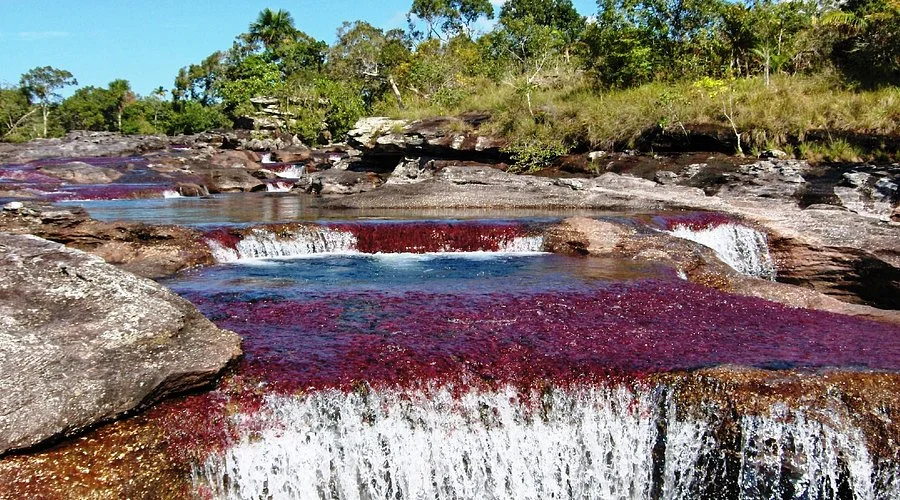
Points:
(78, 172)
(148, 251)
(231, 180)
(82, 144)
(83, 342)
(443, 137)
(339, 182)
(874, 195)
(695, 262)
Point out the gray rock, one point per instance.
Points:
(862, 193)
(666, 177)
(443, 137)
(412, 170)
(81, 173)
(766, 179)
(82, 342)
(340, 182)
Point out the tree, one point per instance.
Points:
(120, 95)
(200, 82)
(558, 15)
(15, 114)
(252, 77)
(41, 85)
(366, 54)
(451, 16)
(271, 28)
(868, 48)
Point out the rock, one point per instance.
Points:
(264, 174)
(765, 179)
(442, 137)
(863, 193)
(774, 153)
(235, 159)
(83, 144)
(232, 180)
(292, 154)
(14, 206)
(148, 251)
(81, 173)
(666, 177)
(412, 170)
(190, 189)
(83, 342)
(340, 182)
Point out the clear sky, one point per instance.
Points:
(146, 42)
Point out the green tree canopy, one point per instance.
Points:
(271, 28)
(450, 17)
(42, 84)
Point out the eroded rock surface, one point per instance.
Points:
(145, 250)
(82, 342)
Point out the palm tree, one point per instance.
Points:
(272, 28)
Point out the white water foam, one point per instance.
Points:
(308, 241)
(745, 249)
(266, 158)
(170, 193)
(292, 172)
(279, 187)
(261, 244)
(594, 443)
(590, 442)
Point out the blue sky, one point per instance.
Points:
(146, 42)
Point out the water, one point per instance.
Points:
(438, 354)
(585, 442)
(503, 374)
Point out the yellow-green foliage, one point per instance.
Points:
(568, 109)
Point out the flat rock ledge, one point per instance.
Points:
(82, 342)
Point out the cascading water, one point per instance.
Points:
(279, 187)
(301, 241)
(743, 248)
(291, 171)
(306, 240)
(580, 442)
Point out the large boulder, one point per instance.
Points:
(82, 342)
(78, 172)
(340, 182)
(231, 180)
(445, 137)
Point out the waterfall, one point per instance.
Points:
(279, 187)
(744, 249)
(291, 172)
(582, 442)
(171, 193)
(299, 241)
(376, 238)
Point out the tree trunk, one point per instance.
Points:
(396, 91)
(46, 112)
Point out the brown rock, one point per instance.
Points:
(292, 154)
(232, 180)
(235, 159)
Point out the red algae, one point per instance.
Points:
(423, 237)
(344, 339)
(696, 221)
(394, 237)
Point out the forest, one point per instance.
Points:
(804, 76)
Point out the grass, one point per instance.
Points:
(810, 116)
